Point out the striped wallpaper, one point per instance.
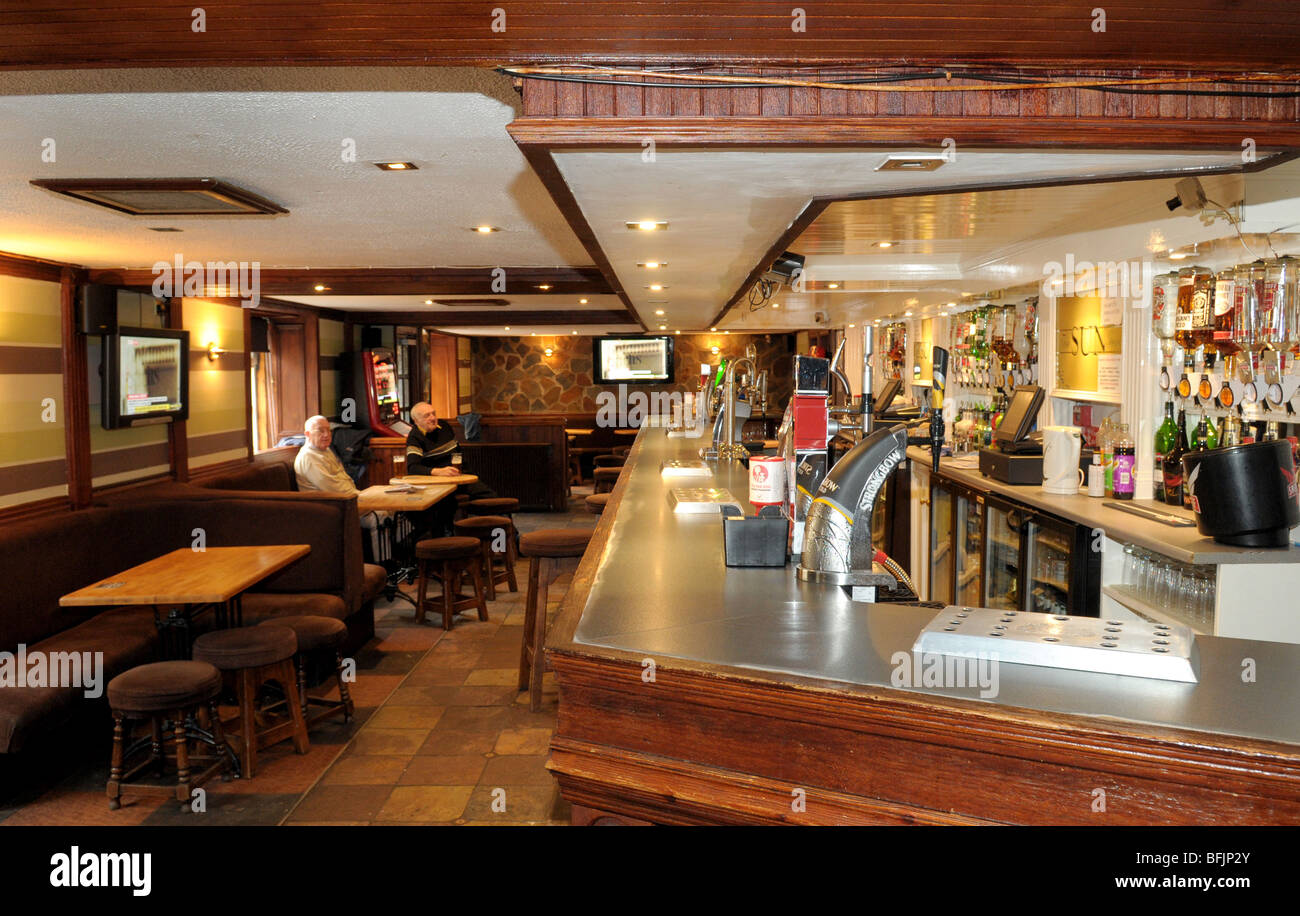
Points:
(32, 463)
(331, 345)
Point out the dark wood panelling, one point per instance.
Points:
(15, 265)
(30, 360)
(378, 281)
(1203, 33)
(178, 446)
(76, 405)
(518, 318)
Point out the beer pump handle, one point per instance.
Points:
(939, 380)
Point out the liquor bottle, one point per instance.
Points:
(1174, 463)
(1125, 459)
(1183, 334)
(1203, 312)
(1204, 436)
(1231, 431)
(1225, 298)
(1212, 437)
(1165, 435)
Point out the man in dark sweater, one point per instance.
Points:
(430, 449)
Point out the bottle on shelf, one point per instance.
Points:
(1199, 435)
(1165, 435)
(1271, 431)
(1173, 468)
(1231, 431)
(1202, 334)
(1097, 477)
(1125, 459)
(1106, 445)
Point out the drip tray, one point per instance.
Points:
(1137, 649)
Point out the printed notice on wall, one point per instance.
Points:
(1108, 367)
(1112, 312)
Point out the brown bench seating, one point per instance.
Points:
(44, 558)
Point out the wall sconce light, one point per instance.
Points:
(714, 350)
(214, 351)
(549, 351)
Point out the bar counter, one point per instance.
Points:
(694, 693)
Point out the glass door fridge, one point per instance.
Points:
(941, 541)
(1004, 560)
(969, 528)
(1062, 570)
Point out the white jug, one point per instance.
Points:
(1062, 446)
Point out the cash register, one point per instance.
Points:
(1016, 455)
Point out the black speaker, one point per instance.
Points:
(372, 338)
(98, 309)
(259, 335)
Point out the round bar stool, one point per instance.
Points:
(493, 505)
(254, 656)
(622, 451)
(318, 634)
(447, 559)
(175, 691)
(609, 461)
(487, 529)
(596, 502)
(461, 500)
(546, 547)
(605, 478)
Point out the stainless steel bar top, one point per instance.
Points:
(1185, 545)
(663, 591)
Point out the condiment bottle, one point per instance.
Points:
(1125, 459)
(1096, 476)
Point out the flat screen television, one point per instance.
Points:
(632, 360)
(146, 377)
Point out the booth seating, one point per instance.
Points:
(485, 529)
(46, 557)
(318, 635)
(174, 691)
(447, 560)
(253, 656)
(546, 548)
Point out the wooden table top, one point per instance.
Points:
(579, 432)
(429, 480)
(187, 576)
(375, 498)
(626, 432)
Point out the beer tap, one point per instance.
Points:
(729, 447)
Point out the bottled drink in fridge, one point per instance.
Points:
(1165, 435)
(1174, 463)
(1125, 458)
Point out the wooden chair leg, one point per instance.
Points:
(476, 579)
(448, 590)
(288, 677)
(300, 667)
(539, 638)
(422, 590)
(156, 755)
(343, 686)
(247, 691)
(530, 610)
(510, 559)
(487, 569)
(115, 767)
(182, 761)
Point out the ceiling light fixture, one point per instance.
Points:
(485, 229)
(507, 327)
(678, 331)
(652, 265)
(663, 327)
(832, 286)
(647, 225)
(428, 302)
(320, 287)
(582, 302)
(543, 286)
(907, 314)
(884, 244)
(712, 329)
(397, 166)
(853, 325)
(656, 287)
(776, 305)
(575, 332)
(1177, 255)
(548, 351)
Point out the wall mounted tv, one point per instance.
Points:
(146, 377)
(632, 360)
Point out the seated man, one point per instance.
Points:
(318, 468)
(430, 449)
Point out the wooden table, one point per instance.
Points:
(378, 499)
(187, 581)
(578, 432)
(431, 480)
(626, 432)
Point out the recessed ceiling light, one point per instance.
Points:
(485, 229)
(678, 331)
(656, 287)
(853, 325)
(776, 305)
(1177, 255)
(726, 332)
(832, 286)
(663, 327)
(712, 329)
(652, 265)
(659, 311)
(908, 313)
(543, 286)
(320, 287)
(647, 225)
(397, 166)
(582, 302)
(507, 327)
(428, 302)
(575, 332)
(884, 244)
(533, 334)
(951, 305)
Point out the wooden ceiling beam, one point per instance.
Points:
(459, 319)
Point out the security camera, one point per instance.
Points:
(1190, 196)
(820, 318)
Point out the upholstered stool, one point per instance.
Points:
(319, 634)
(175, 691)
(608, 461)
(486, 528)
(494, 505)
(605, 478)
(461, 500)
(596, 502)
(447, 559)
(622, 451)
(546, 547)
(254, 656)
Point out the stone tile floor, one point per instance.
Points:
(440, 736)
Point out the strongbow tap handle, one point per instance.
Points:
(938, 382)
